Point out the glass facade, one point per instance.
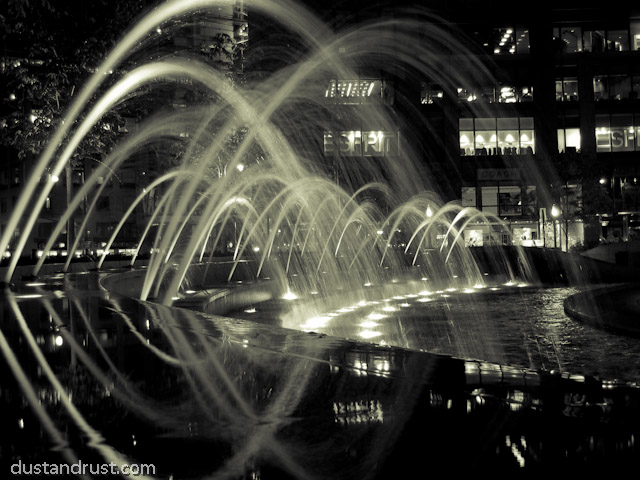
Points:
(574, 39)
(567, 89)
(497, 136)
(508, 200)
(496, 94)
(616, 87)
(617, 132)
(568, 140)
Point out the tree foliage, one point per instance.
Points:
(50, 49)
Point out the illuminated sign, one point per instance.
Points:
(361, 144)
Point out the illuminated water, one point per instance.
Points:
(509, 325)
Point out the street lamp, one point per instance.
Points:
(555, 212)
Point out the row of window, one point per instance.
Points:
(605, 87)
(509, 136)
(502, 200)
(496, 136)
(575, 39)
(572, 39)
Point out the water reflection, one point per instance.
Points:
(99, 378)
(507, 324)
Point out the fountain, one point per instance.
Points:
(114, 372)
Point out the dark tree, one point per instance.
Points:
(49, 49)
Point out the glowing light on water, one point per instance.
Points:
(289, 296)
(425, 292)
(315, 322)
(468, 290)
(250, 310)
(369, 324)
(389, 308)
(376, 316)
(370, 334)
(425, 299)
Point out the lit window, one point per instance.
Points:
(354, 91)
(506, 136)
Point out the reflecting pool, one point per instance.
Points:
(506, 324)
(93, 377)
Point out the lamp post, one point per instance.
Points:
(554, 213)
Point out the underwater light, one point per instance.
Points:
(289, 296)
(369, 334)
(369, 324)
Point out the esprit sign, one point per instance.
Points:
(359, 143)
(498, 174)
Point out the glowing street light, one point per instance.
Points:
(554, 213)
